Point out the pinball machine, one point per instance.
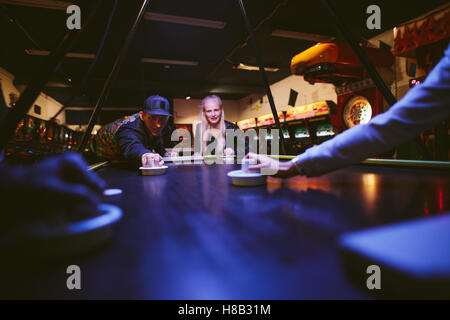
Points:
(35, 137)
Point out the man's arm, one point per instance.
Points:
(421, 108)
(159, 147)
(131, 144)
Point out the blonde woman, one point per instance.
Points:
(212, 128)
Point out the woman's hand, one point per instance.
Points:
(271, 166)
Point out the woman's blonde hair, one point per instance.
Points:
(218, 133)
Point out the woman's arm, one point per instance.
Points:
(421, 108)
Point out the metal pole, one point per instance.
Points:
(37, 83)
(82, 84)
(116, 66)
(387, 94)
(376, 78)
(263, 75)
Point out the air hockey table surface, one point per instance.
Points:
(191, 234)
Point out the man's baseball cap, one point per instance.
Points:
(157, 105)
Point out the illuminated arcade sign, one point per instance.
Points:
(267, 119)
(246, 124)
(357, 111)
(308, 111)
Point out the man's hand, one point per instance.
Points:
(279, 169)
(57, 185)
(228, 152)
(148, 158)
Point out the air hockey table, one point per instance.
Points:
(191, 234)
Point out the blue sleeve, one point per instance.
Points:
(159, 146)
(422, 107)
(131, 144)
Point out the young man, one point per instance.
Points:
(138, 138)
(422, 107)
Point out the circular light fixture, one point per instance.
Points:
(357, 111)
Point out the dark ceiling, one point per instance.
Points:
(215, 50)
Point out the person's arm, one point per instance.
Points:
(56, 185)
(159, 148)
(131, 144)
(421, 108)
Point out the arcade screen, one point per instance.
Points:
(301, 133)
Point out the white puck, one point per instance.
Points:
(112, 192)
(247, 179)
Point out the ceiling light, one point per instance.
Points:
(33, 52)
(247, 67)
(166, 62)
(301, 36)
(185, 20)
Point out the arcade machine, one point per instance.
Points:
(310, 124)
(319, 123)
(267, 122)
(421, 44)
(298, 128)
(63, 138)
(358, 99)
(35, 137)
(248, 124)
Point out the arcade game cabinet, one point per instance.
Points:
(421, 44)
(358, 99)
(267, 122)
(310, 124)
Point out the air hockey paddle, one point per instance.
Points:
(183, 159)
(49, 239)
(243, 178)
(153, 171)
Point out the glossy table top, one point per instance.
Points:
(190, 234)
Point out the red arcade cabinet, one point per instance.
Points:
(358, 98)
